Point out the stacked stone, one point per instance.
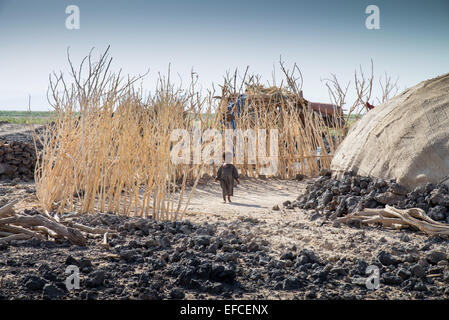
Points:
(17, 160)
(353, 193)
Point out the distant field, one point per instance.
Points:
(25, 117)
(41, 117)
(353, 118)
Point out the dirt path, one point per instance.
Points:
(252, 196)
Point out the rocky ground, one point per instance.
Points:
(19, 132)
(238, 258)
(17, 150)
(352, 193)
(244, 250)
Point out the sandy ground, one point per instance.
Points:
(18, 132)
(254, 200)
(252, 196)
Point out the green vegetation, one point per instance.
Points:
(352, 119)
(25, 117)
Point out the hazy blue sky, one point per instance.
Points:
(211, 37)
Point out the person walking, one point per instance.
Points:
(226, 174)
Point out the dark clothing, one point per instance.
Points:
(226, 174)
(369, 106)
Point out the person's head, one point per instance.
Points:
(227, 157)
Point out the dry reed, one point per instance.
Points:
(109, 147)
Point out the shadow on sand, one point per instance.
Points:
(245, 205)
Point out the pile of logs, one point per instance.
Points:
(413, 218)
(17, 160)
(45, 227)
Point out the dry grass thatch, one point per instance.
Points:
(302, 131)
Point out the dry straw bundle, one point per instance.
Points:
(302, 131)
(108, 148)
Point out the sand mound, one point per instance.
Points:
(406, 138)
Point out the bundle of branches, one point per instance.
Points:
(280, 106)
(414, 218)
(109, 149)
(256, 89)
(15, 226)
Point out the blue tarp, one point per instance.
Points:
(239, 105)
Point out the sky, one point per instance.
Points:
(212, 37)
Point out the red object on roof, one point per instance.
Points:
(326, 108)
(369, 106)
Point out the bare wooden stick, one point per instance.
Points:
(389, 216)
(7, 210)
(105, 240)
(14, 229)
(90, 229)
(47, 231)
(73, 235)
(5, 234)
(19, 236)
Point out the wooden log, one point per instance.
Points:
(73, 235)
(7, 210)
(390, 216)
(89, 229)
(105, 242)
(14, 229)
(19, 236)
(47, 231)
